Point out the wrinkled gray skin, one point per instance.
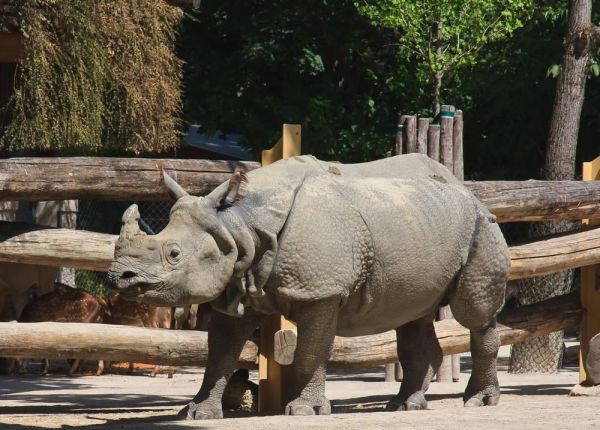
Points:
(343, 250)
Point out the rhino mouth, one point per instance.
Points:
(134, 288)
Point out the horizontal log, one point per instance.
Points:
(111, 342)
(190, 348)
(22, 243)
(58, 247)
(539, 200)
(109, 178)
(516, 326)
(555, 254)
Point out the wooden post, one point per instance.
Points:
(447, 159)
(444, 373)
(457, 145)
(422, 129)
(446, 124)
(410, 133)
(390, 373)
(590, 295)
(398, 148)
(271, 376)
(459, 172)
(433, 142)
(406, 142)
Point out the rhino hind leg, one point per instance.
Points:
(420, 355)
(316, 331)
(475, 302)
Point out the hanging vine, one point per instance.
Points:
(97, 76)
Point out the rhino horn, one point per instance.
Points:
(175, 190)
(130, 228)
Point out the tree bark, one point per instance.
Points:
(570, 91)
(439, 75)
(544, 354)
(437, 91)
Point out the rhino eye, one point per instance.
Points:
(173, 253)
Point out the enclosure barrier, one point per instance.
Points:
(128, 179)
(86, 250)
(104, 178)
(190, 348)
(140, 179)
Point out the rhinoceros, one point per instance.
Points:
(344, 250)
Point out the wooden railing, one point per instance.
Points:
(128, 179)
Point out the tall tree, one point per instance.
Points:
(445, 36)
(581, 43)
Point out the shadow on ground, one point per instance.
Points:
(51, 396)
(163, 422)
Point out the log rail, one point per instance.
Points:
(63, 178)
(79, 249)
(140, 179)
(190, 348)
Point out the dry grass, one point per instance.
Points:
(98, 76)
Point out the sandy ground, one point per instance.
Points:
(141, 402)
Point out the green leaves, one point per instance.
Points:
(553, 71)
(446, 35)
(310, 63)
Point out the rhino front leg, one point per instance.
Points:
(420, 355)
(226, 338)
(316, 330)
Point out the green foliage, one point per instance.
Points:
(553, 71)
(97, 76)
(507, 116)
(446, 35)
(248, 69)
(251, 66)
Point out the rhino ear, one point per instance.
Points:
(236, 190)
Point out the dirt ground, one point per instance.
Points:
(140, 402)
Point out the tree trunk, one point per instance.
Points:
(437, 89)
(544, 354)
(438, 75)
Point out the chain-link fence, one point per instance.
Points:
(105, 217)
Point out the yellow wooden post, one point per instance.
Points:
(271, 377)
(590, 295)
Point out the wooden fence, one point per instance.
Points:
(120, 179)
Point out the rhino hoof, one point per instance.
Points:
(200, 411)
(416, 402)
(305, 407)
(488, 400)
